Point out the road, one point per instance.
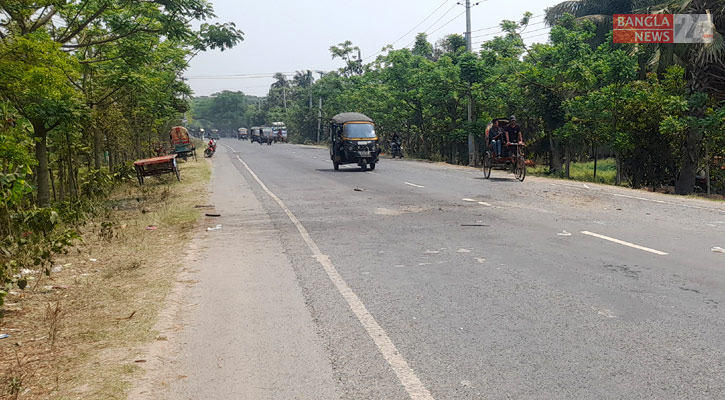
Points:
(426, 281)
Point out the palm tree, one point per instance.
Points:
(303, 79)
(281, 80)
(704, 65)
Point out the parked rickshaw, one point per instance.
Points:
(181, 143)
(512, 155)
(242, 134)
(353, 141)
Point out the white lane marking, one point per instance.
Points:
(373, 173)
(469, 200)
(641, 198)
(407, 376)
(622, 242)
(413, 184)
(483, 203)
(586, 186)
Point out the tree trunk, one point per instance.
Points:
(52, 183)
(72, 176)
(707, 169)
(97, 161)
(618, 160)
(555, 155)
(595, 161)
(568, 159)
(41, 154)
(685, 183)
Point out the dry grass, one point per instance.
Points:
(75, 335)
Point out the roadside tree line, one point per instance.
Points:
(85, 87)
(657, 109)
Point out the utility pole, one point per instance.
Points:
(472, 149)
(309, 83)
(284, 98)
(319, 111)
(319, 120)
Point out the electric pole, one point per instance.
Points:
(309, 85)
(472, 149)
(319, 111)
(284, 98)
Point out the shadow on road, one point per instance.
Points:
(341, 170)
(512, 179)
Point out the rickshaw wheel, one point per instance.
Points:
(336, 165)
(520, 168)
(487, 165)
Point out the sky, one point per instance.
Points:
(288, 35)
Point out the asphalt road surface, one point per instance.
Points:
(426, 281)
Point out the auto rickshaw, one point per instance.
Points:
(242, 134)
(353, 141)
(254, 133)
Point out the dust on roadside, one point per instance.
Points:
(76, 333)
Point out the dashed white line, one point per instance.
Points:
(483, 203)
(641, 198)
(622, 242)
(405, 374)
(469, 200)
(413, 184)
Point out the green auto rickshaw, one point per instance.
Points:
(353, 141)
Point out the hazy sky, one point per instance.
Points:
(288, 36)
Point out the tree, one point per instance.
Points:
(346, 51)
(84, 28)
(422, 47)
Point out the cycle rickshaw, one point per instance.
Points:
(512, 155)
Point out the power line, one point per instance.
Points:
(241, 76)
(413, 28)
(523, 38)
(496, 33)
(440, 27)
(498, 26)
(453, 19)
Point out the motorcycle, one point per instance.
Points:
(210, 149)
(396, 150)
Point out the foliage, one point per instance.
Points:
(85, 87)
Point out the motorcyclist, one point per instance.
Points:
(395, 144)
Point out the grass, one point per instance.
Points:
(77, 334)
(584, 171)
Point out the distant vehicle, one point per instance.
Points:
(353, 141)
(280, 132)
(266, 136)
(254, 133)
(242, 134)
(214, 134)
(512, 155)
(181, 143)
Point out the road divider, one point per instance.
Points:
(623, 243)
(415, 388)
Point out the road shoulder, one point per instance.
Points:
(236, 324)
